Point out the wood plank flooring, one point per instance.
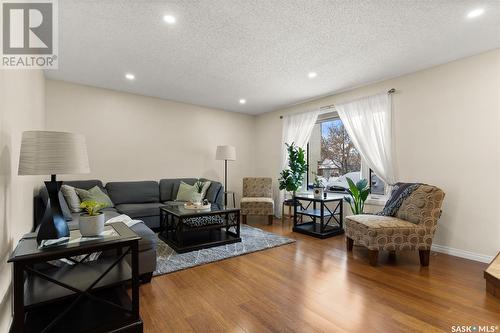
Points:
(314, 285)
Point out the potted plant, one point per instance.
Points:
(198, 195)
(292, 177)
(317, 187)
(91, 222)
(358, 193)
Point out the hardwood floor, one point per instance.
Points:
(314, 285)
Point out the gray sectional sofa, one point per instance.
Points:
(141, 200)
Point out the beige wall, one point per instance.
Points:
(447, 133)
(21, 108)
(132, 137)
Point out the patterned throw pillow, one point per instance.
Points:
(95, 194)
(72, 199)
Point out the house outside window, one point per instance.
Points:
(333, 157)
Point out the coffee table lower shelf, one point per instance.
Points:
(199, 239)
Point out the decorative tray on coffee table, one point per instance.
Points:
(197, 206)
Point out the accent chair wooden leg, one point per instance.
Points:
(392, 255)
(244, 219)
(349, 243)
(373, 255)
(270, 219)
(424, 257)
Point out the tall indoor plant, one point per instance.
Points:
(292, 177)
(358, 193)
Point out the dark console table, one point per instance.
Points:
(187, 230)
(322, 221)
(85, 296)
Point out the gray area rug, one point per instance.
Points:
(252, 240)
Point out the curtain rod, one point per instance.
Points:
(332, 106)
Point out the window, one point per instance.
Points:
(377, 185)
(331, 155)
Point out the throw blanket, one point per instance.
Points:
(125, 219)
(399, 193)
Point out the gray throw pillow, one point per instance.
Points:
(95, 194)
(72, 198)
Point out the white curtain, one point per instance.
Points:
(368, 121)
(297, 128)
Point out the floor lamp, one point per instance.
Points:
(226, 153)
(51, 153)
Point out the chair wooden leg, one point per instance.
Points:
(244, 219)
(349, 243)
(392, 255)
(270, 219)
(373, 255)
(424, 257)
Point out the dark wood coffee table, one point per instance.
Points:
(187, 230)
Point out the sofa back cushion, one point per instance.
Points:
(170, 187)
(422, 206)
(133, 192)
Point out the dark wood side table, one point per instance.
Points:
(323, 222)
(87, 296)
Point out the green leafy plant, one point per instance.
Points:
(292, 177)
(317, 183)
(92, 207)
(199, 186)
(358, 193)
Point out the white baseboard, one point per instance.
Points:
(462, 253)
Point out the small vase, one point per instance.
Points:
(91, 225)
(318, 192)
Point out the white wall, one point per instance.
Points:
(447, 133)
(132, 137)
(22, 104)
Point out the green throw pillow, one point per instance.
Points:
(188, 192)
(94, 194)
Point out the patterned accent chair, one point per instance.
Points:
(412, 228)
(257, 198)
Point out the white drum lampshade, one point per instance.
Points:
(225, 153)
(51, 153)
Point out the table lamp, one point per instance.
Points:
(51, 153)
(225, 153)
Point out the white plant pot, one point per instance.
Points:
(91, 225)
(318, 192)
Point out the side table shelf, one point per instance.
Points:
(323, 221)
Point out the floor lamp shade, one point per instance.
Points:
(51, 153)
(225, 153)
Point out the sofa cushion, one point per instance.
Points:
(148, 238)
(94, 194)
(133, 192)
(85, 184)
(136, 211)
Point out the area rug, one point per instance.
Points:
(252, 240)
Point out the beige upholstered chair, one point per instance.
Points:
(412, 228)
(257, 198)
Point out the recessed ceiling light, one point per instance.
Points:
(170, 19)
(475, 13)
(243, 101)
(129, 76)
(312, 75)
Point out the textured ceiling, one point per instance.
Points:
(222, 50)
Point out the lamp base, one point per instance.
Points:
(53, 224)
